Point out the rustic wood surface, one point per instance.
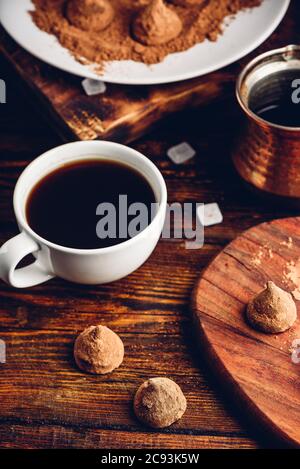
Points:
(45, 402)
(123, 113)
(258, 367)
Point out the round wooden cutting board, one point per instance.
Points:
(261, 369)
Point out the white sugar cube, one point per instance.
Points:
(210, 214)
(181, 153)
(93, 87)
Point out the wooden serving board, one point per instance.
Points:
(123, 113)
(256, 367)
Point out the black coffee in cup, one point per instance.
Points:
(62, 206)
(276, 98)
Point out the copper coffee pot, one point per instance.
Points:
(268, 155)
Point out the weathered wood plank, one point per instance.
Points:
(48, 437)
(40, 382)
(45, 401)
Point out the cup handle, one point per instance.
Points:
(11, 253)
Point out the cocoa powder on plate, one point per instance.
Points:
(200, 20)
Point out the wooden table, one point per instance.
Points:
(45, 402)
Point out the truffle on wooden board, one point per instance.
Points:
(159, 402)
(98, 350)
(272, 311)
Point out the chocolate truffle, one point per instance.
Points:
(159, 402)
(156, 24)
(98, 350)
(90, 15)
(272, 311)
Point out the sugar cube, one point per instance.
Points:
(93, 87)
(210, 214)
(181, 153)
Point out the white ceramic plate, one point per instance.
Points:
(244, 33)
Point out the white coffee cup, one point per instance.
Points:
(87, 266)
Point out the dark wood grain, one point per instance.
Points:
(257, 366)
(45, 402)
(48, 437)
(122, 113)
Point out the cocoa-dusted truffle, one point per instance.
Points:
(98, 350)
(159, 402)
(90, 15)
(272, 311)
(156, 24)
